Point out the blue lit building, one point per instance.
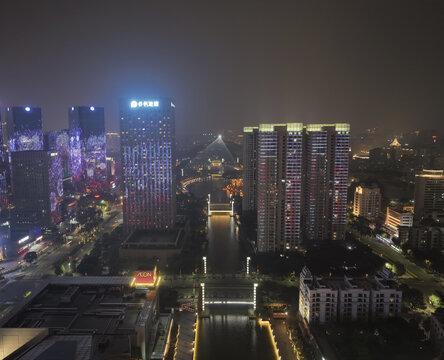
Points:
(3, 174)
(24, 128)
(59, 141)
(37, 188)
(147, 139)
(88, 147)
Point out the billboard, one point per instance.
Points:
(145, 277)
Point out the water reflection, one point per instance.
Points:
(232, 336)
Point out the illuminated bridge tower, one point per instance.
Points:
(147, 137)
(326, 178)
(279, 186)
(88, 147)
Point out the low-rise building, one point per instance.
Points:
(90, 318)
(422, 237)
(347, 299)
(437, 330)
(396, 218)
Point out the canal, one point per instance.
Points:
(228, 333)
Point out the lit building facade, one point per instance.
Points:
(395, 218)
(330, 299)
(367, 202)
(429, 194)
(3, 173)
(326, 170)
(302, 177)
(37, 188)
(24, 128)
(59, 141)
(147, 135)
(279, 186)
(249, 199)
(88, 147)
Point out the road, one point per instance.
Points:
(417, 276)
(44, 264)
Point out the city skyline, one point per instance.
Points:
(212, 180)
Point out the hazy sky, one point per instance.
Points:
(228, 64)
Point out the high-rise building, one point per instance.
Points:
(249, 200)
(326, 178)
(3, 173)
(302, 176)
(367, 202)
(88, 146)
(429, 194)
(37, 188)
(23, 129)
(147, 138)
(59, 141)
(279, 186)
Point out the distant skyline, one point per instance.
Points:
(228, 64)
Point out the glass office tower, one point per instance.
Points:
(147, 137)
(88, 147)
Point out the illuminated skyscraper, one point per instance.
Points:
(147, 138)
(88, 146)
(3, 173)
(37, 188)
(59, 141)
(326, 172)
(24, 128)
(302, 176)
(279, 186)
(249, 200)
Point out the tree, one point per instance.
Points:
(435, 300)
(413, 298)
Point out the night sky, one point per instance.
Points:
(229, 64)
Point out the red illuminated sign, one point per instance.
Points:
(145, 278)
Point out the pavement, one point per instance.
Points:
(282, 336)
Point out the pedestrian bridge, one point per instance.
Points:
(217, 294)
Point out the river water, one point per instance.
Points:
(227, 333)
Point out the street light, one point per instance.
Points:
(209, 204)
(248, 265)
(205, 264)
(254, 296)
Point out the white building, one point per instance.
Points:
(346, 299)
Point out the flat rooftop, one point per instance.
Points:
(154, 239)
(84, 307)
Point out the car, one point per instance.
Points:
(30, 256)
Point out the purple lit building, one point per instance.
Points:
(88, 147)
(147, 138)
(59, 141)
(3, 173)
(37, 188)
(24, 128)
